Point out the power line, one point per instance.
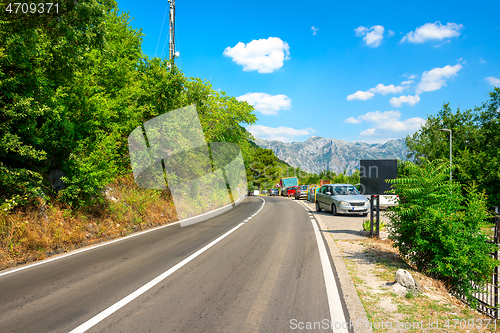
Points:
(159, 37)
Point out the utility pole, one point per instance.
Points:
(171, 20)
(447, 130)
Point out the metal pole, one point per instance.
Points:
(171, 18)
(495, 273)
(448, 130)
(372, 200)
(378, 216)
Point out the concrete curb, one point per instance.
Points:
(356, 310)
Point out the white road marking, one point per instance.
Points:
(338, 319)
(124, 301)
(41, 262)
(87, 249)
(336, 311)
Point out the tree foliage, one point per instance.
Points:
(73, 85)
(263, 168)
(334, 178)
(436, 227)
(476, 144)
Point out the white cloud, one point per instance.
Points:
(283, 134)
(412, 76)
(263, 55)
(445, 42)
(407, 82)
(372, 36)
(368, 132)
(267, 104)
(409, 125)
(387, 124)
(314, 30)
(352, 120)
(493, 81)
(384, 90)
(398, 101)
(482, 61)
(379, 89)
(433, 31)
(360, 31)
(378, 117)
(391, 33)
(361, 95)
(434, 79)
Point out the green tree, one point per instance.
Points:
(263, 170)
(476, 142)
(436, 226)
(74, 84)
(39, 55)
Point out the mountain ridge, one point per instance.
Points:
(317, 153)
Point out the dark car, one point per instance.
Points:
(301, 192)
(250, 193)
(273, 191)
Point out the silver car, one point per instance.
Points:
(341, 198)
(301, 192)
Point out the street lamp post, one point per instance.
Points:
(447, 130)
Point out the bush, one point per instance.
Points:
(436, 227)
(366, 225)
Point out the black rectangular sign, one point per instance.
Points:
(373, 174)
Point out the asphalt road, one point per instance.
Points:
(259, 277)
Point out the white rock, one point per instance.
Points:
(399, 289)
(404, 278)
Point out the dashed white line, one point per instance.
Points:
(99, 245)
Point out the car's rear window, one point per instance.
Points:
(345, 190)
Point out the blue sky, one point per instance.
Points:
(353, 71)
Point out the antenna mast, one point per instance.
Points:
(171, 20)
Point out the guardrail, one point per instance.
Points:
(488, 299)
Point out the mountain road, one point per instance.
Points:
(260, 266)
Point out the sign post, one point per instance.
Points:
(373, 176)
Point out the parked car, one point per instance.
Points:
(341, 198)
(284, 191)
(301, 192)
(250, 193)
(311, 195)
(386, 200)
(291, 191)
(273, 191)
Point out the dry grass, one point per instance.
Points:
(38, 233)
(372, 264)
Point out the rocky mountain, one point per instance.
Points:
(317, 153)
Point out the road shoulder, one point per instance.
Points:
(355, 309)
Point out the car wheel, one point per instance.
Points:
(318, 208)
(365, 214)
(334, 210)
